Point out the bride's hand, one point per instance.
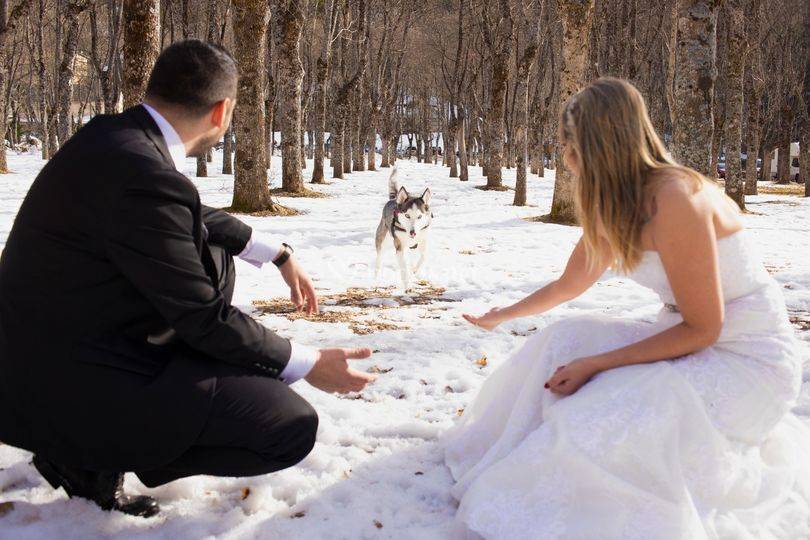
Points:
(570, 377)
(488, 321)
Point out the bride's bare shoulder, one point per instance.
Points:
(674, 190)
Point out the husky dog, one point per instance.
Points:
(406, 221)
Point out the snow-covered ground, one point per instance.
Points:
(377, 470)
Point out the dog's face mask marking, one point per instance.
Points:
(413, 213)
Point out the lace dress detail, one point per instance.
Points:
(699, 447)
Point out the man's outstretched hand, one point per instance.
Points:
(302, 292)
(331, 372)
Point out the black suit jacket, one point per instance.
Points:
(109, 246)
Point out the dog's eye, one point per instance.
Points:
(408, 216)
(419, 216)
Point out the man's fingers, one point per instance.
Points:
(295, 296)
(311, 296)
(357, 354)
(472, 319)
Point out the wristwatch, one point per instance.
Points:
(284, 255)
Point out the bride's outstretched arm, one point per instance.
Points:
(577, 278)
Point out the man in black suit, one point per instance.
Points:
(119, 347)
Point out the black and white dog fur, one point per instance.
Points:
(406, 222)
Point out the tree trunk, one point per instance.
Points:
(804, 157)
(392, 150)
(65, 86)
(577, 19)
(140, 48)
(694, 84)
(202, 166)
(753, 91)
(450, 146)
(384, 150)
(464, 174)
(347, 138)
(290, 76)
(320, 122)
(767, 163)
(250, 191)
(358, 137)
(735, 60)
(227, 152)
(337, 144)
(371, 141)
(42, 76)
(752, 146)
(493, 124)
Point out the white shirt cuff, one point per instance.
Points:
(302, 359)
(261, 248)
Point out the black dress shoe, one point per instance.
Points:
(104, 489)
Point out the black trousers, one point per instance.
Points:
(257, 425)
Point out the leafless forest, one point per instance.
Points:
(721, 78)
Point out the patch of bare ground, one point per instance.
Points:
(547, 218)
(494, 188)
(361, 309)
(277, 211)
(797, 190)
(800, 320)
(305, 193)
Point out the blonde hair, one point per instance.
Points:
(619, 154)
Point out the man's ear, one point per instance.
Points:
(402, 195)
(219, 113)
(426, 196)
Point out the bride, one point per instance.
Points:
(611, 429)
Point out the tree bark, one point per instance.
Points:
(464, 174)
(385, 153)
(804, 157)
(290, 76)
(577, 19)
(8, 21)
(337, 144)
(250, 191)
(521, 123)
(754, 85)
(493, 123)
(767, 163)
(320, 121)
(227, 151)
(42, 76)
(695, 74)
(140, 48)
(735, 63)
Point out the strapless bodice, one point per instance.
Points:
(741, 270)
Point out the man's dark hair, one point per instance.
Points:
(193, 75)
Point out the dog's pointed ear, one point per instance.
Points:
(426, 196)
(402, 195)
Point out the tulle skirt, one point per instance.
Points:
(700, 447)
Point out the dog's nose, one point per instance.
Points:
(413, 233)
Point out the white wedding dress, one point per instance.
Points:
(701, 447)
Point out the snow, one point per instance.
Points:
(377, 469)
